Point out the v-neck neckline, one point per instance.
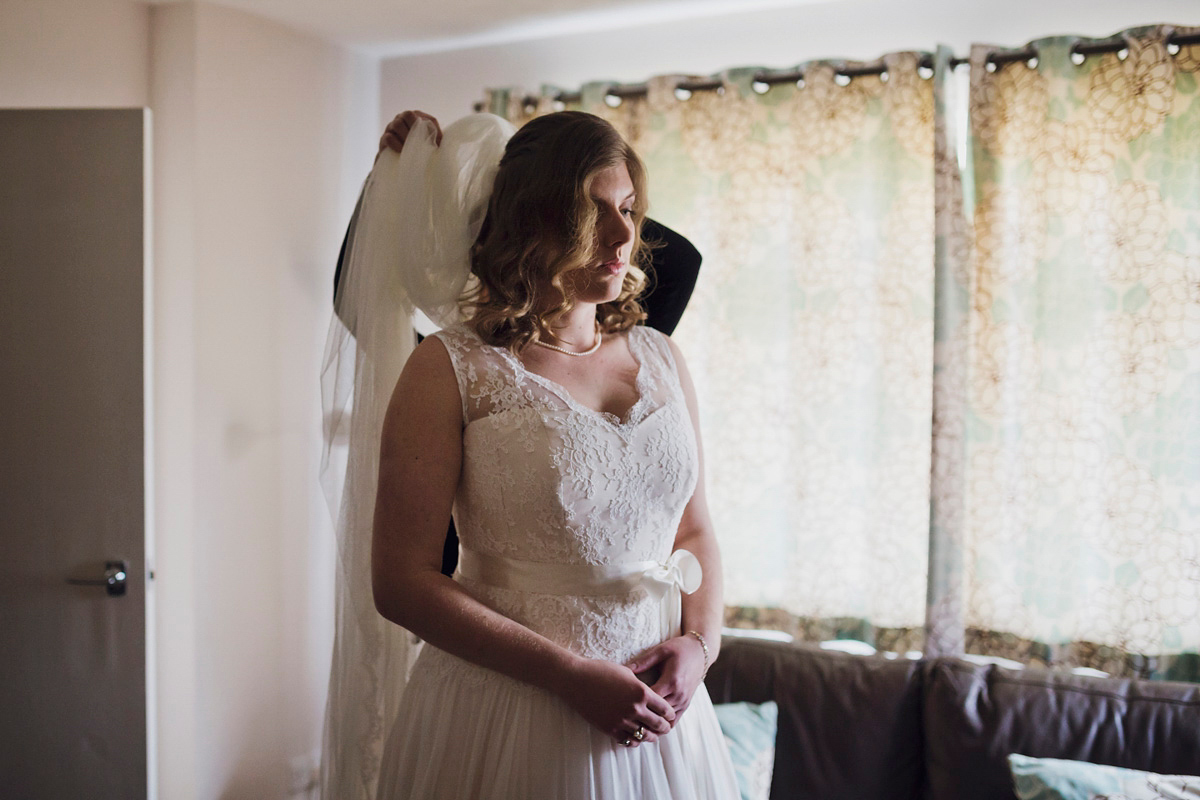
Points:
(631, 414)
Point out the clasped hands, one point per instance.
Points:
(645, 696)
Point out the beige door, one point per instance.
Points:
(72, 454)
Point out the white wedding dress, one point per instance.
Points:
(566, 518)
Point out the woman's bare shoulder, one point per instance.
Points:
(427, 385)
(429, 361)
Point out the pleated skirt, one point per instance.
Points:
(467, 733)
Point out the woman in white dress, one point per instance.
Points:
(565, 657)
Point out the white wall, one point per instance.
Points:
(172, 87)
(261, 149)
(64, 53)
(447, 84)
(261, 136)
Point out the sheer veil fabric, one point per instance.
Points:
(408, 249)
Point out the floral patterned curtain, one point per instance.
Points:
(1081, 347)
(947, 409)
(944, 620)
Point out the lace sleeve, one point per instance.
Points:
(452, 339)
(657, 342)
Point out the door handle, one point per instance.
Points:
(115, 575)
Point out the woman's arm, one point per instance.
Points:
(682, 659)
(420, 461)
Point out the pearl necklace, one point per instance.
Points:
(588, 352)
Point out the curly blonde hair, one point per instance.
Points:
(541, 224)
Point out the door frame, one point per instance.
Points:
(150, 529)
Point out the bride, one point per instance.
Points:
(565, 656)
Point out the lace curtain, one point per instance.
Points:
(1041, 308)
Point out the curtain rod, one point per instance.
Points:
(996, 58)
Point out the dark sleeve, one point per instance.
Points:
(337, 272)
(674, 267)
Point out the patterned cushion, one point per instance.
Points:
(749, 729)
(1055, 779)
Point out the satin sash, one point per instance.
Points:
(665, 581)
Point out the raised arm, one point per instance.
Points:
(394, 136)
(682, 659)
(420, 462)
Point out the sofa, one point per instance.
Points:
(865, 727)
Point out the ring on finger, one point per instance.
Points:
(640, 733)
(626, 743)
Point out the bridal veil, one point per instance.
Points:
(408, 249)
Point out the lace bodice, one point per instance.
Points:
(549, 480)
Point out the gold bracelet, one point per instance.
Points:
(704, 645)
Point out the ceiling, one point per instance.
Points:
(407, 27)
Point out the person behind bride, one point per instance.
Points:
(565, 657)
